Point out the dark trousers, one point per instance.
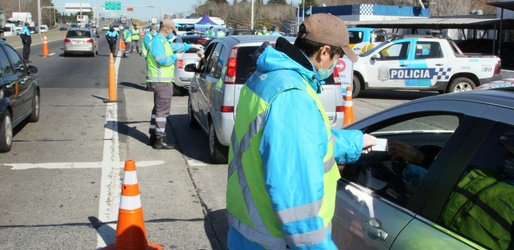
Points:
(112, 47)
(135, 43)
(161, 108)
(26, 51)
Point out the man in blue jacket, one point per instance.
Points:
(26, 40)
(282, 173)
(112, 37)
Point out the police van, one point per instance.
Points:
(415, 62)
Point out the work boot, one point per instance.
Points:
(161, 143)
(151, 140)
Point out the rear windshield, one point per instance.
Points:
(196, 40)
(245, 63)
(78, 34)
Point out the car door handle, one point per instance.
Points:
(374, 228)
(403, 65)
(439, 64)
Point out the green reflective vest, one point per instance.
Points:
(154, 71)
(126, 36)
(135, 34)
(258, 221)
(481, 208)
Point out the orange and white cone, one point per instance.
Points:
(130, 231)
(348, 107)
(45, 45)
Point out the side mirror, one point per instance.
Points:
(191, 68)
(32, 69)
(375, 57)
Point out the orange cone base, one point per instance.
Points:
(151, 246)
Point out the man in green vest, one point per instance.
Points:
(135, 38)
(160, 67)
(264, 31)
(127, 39)
(282, 168)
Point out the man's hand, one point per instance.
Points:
(368, 141)
(198, 46)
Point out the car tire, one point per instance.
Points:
(356, 88)
(461, 84)
(190, 115)
(217, 152)
(177, 91)
(34, 116)
(6, 132)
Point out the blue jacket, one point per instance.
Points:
(111, 36)
(159, 53)
(296, 133)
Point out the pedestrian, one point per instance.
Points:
(220, 33)
(127, 39)
(210, 31)
(274, 31)
(282, 169)
(135, 38)
(160, 72)
(112, 38)
(26, 40)
(264, 31)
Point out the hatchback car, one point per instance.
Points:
(461, 198)
(19, 94)
(183, 78)
(214, 90)
(81, 41)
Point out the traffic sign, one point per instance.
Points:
(112, 5)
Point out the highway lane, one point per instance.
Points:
(61, 181)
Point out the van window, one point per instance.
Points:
(5, 66)
(245, 64)
(78, 34)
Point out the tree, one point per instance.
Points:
(283, 2)
(218, 1)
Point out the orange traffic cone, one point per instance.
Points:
(122, 45)
(45, 45)
(348, 107)
(130, 231)
(112, 81)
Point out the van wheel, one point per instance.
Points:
(177, 91)
(356, 88)
(34, 117)
(218, 153)
(461, 84)
(6, 133)
(190, 115)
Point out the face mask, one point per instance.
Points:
(326, 73)
(170, 35)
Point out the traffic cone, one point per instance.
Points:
(122, 45)
(130, 231)
(348, 107)
(45, 45)
(112, 81)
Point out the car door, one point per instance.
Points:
(9, 86)
(210, 79)
(426, 65)
(26, 85)
(388, 66)
(373, 203)
(203, 85)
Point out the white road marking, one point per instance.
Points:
(76, 165)
(195, 163)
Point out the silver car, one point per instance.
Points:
(458, 197)
(81, 41)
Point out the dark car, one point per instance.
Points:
(19, 94)
(240, 32)
(63, 28)
(459, 197)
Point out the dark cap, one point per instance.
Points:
(330, 30)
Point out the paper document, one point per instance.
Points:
(381, 145)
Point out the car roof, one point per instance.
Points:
(197, 36)
(253, 39)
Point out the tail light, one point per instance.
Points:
(230, 75)
(498, 67)
(67, 40)
(89, 40)
(337, 81)
(180, 63)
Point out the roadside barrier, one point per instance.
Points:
(130, 230)
(348, 107)
(113, 96)
(45, 45)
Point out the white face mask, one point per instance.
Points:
(326, 73)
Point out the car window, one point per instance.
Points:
(14, 58)
(396, 179)
(428, 50)
(212, 61)
(481, 204)
(196, 40)
(245, 63)
(398, 51)
(5, 65)
(218, 68)
(78, 34)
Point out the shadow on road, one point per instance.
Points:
(216, 227)
(134, 85)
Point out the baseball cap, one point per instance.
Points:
(168, 23)
(327, 29)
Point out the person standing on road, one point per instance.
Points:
(264, 31)
(135, 38)
(127, 38)
(220, 33)
(274, 31)
(112, 37)
(210, 32)
(26, 40)
(282, 171)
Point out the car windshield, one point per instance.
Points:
(78, 34)
(196, 40)
(379, 46)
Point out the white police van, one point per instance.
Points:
(417, 62)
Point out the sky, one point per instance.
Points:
(142, 9)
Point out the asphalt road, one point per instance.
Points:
(61, 181)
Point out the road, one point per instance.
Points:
(61, 181)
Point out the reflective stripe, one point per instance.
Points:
(160, 79)
(269, 242)
(153, 116)
(130, 202)
(130, 178)
(348, 103)
(160, 119)
(329, 164)
(152, 126)
(160, 57)
(299, 212)
(161, 130)
(309, 238)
